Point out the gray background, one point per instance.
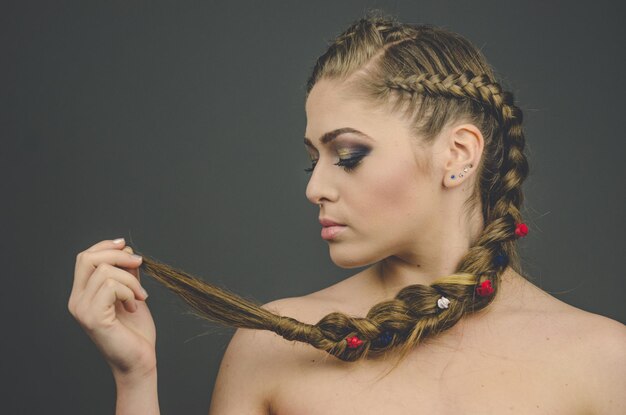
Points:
(179, 126)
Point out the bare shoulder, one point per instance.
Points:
(588, 332)
(256, 360)
(599, 337)
(240, 385)
(250, 367)
(594, 347)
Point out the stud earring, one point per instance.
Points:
(465, 170)
(469, 166)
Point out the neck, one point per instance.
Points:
(447, 243)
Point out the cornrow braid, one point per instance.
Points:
(444, 77)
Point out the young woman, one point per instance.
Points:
(418, 164)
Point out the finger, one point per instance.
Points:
(105, 272)
(134, 271)
(107, 244)
(110, 292)
(87, 262)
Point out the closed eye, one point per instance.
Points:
(348, 164)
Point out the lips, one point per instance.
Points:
(331, 228)
(331, 232)
(329, 222)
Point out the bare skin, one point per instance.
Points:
(526, 353)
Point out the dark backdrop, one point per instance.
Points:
(179, 126)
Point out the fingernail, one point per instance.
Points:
(136, 256)
(118, 241)
(145, 293)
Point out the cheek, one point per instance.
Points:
(386, 205)
(392, 196)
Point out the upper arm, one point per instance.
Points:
(605, 363)
(246, 375)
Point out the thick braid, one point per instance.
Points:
(387, 324)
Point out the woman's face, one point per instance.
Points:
(390, 199)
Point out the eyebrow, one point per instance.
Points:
(331, 135)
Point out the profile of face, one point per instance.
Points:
(381, 189)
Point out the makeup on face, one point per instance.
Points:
(332, 135)
(349, 152)
(348, 159)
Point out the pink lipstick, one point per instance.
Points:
(330, 228)
(330, 232)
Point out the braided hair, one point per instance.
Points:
(433, 76)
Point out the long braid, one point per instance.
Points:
(387, 59)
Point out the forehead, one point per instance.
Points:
(330, 106)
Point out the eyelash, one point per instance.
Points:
(348, 164)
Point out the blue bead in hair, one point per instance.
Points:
(385, 338)
(500, 260)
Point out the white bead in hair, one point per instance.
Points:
(443, 302)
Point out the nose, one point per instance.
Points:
(321, 186)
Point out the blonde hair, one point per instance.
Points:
(434, 76)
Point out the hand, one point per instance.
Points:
(108, 302)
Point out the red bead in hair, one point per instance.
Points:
(484, 289)
(354, 342)
(521, 229)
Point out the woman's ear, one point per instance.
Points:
(464, 148)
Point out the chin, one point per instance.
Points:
(345, 258)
